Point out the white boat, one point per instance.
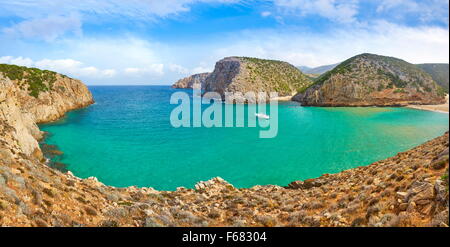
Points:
(262, 116)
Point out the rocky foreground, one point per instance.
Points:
(409, 189)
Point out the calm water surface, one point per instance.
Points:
(126, 139)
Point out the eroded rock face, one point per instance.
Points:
(20, 112)
(242, 74)
(372, 80)
(18, 129)
(196, 81)
(67, 94)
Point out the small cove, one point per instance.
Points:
(126, 139)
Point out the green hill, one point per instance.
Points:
(439, 73)
(32, 79)
(245, 74)
(369, 79)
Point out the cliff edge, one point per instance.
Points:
(29, 96)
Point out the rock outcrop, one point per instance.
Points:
(196, 81)
(18, 129)
(372, 80)
(22, 108)
(244, 74)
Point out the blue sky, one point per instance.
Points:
(157, 42)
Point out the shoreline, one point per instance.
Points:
(442, 108)
(283, 98)
(377, 173)
(280, 99)
(346, 198)
(70, 174)
(428, 108)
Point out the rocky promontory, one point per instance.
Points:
(245, 74)
(372, 80)
(196, 81)
(29, 96)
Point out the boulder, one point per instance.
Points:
(296, 185)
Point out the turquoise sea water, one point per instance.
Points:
(126, 139)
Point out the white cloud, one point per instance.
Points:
(48, 19)
(125, 52)
(132, 70)
(109, 72)
(415, 45)
(21, 61)
(156, 69)
(200, 69)
(385, 5)
(137, 9)
(70, 67)
(127, 60)
(60, 64)
(48, 28)
(337, 10)
(178, 69)
(265, 13)
(152, 69)
(130, 60)
(424, 11)
(137, 60)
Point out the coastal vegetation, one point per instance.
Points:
(32, 79)
(317, 70)
(439, 72)
(249, 74)
(369, 79)
(282, 76)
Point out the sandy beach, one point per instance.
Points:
(283, 98)
(444, 108)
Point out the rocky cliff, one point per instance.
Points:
(372, 80)
(44, 94)
(410, 189)
(29, 96)
(196, 81)
(244, 74)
